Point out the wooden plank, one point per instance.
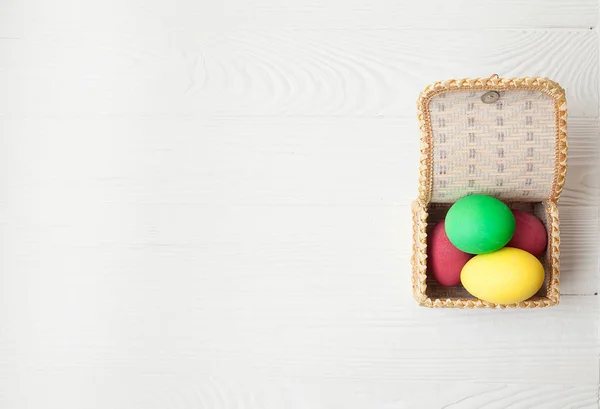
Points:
(11, 20)
(584, 141)
(258, 388)
(339, 73)
(579, 261)
(429, 14)
(254, 161)
(377, 73)
(143, 19)
(287, 392)
(582, 185)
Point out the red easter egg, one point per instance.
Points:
(530, 234)
(444, 261)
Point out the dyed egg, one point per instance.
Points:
(444, 261)
(505, 276)
(479, 224)
(530, 234)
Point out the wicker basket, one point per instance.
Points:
(512, 147)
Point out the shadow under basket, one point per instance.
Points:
(429, 293)
(505, 138)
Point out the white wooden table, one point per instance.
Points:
(205, 204)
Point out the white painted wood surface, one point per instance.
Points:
(206, 205)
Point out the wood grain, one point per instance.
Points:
(339, 73)
(584, 142)
(430, 14)
(580, 235)
(263, 161)
(26, 18)
(227, 391)
(342, 73)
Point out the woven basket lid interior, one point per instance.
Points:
(505, 148)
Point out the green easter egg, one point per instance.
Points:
(479, 224)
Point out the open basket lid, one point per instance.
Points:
(501, 137)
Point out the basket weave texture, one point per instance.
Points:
(514, 149)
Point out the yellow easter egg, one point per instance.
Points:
(506, 276)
